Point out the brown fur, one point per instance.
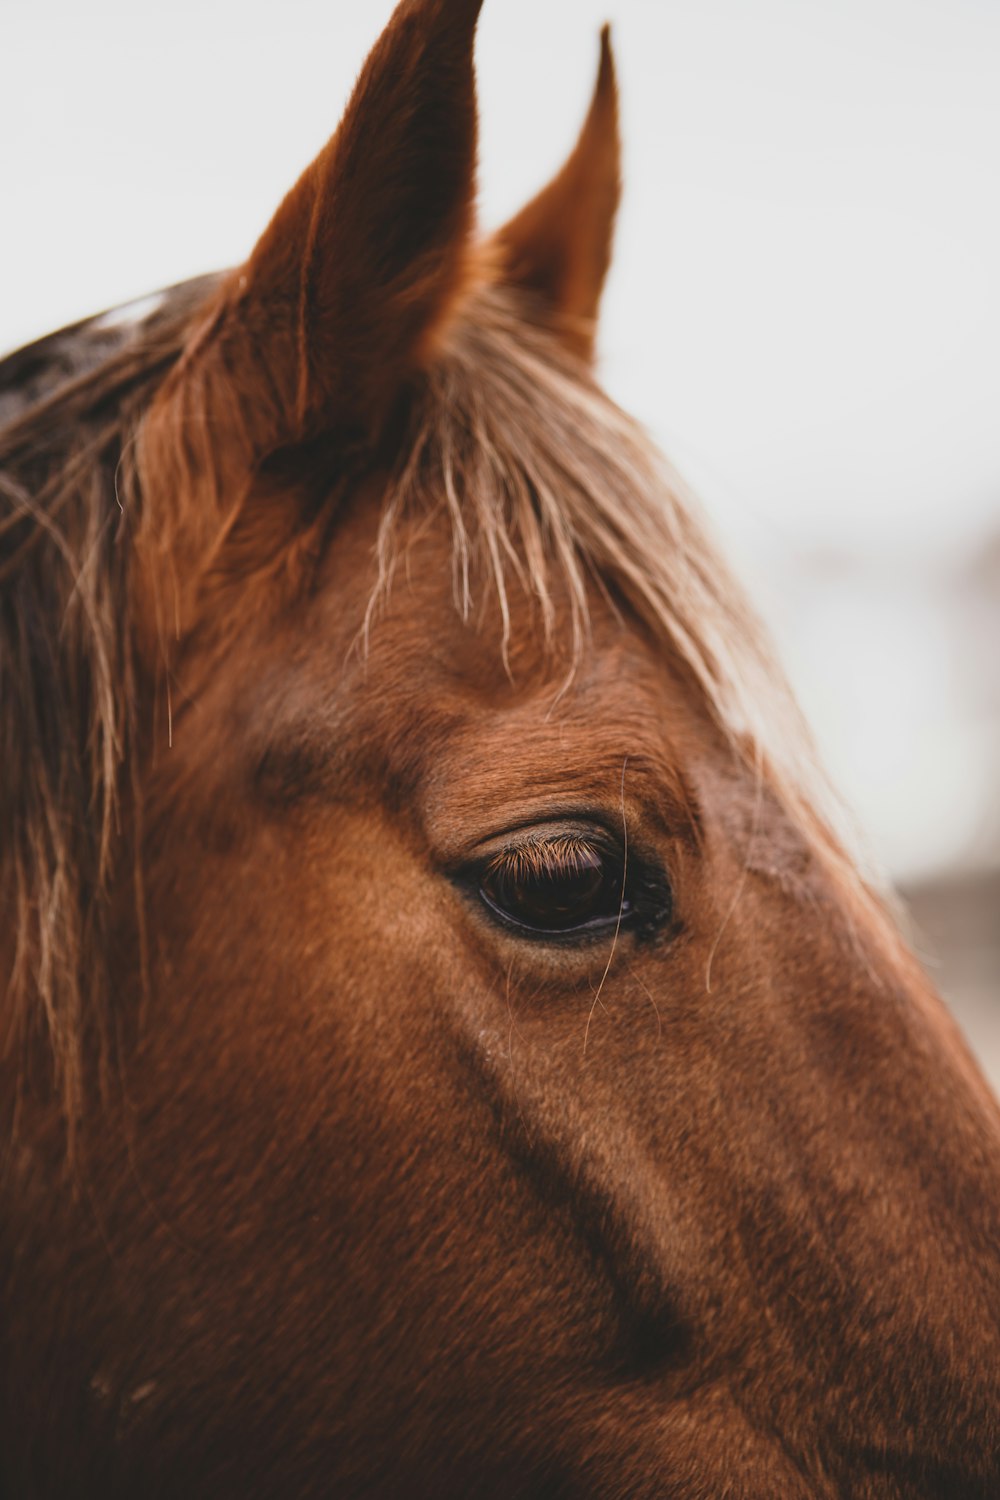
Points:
(366, 1194)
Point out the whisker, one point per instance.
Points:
(621, 908)
(741, 883)
(510, 1053)
(651, 998)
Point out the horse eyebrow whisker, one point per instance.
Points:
(651, 998)
(510, 1051)
(621, 908)
(741, 883)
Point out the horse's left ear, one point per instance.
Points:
(340, 303)
(558, 248)
(342, 297)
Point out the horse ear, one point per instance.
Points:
(558, 248)
(343, 294)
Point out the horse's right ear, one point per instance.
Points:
(558, 248)
(360, 266)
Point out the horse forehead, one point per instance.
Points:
(423, 632)
(424, 696)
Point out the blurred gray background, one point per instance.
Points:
(804, 308)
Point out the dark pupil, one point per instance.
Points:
(553, 890)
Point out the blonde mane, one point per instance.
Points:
(544, 478)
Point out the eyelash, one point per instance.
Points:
(569, 853)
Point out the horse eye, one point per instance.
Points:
(558, 885)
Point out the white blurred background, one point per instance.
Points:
(804, 308)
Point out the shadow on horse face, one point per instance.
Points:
(507, 1085)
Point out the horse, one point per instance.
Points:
(447, 1046)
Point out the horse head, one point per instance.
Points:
(449, 1049)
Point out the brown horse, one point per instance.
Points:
(445, 1051)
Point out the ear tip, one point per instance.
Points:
(471, 9)
(440, 18)
(606, 87)
(450, 11)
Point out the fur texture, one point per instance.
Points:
(331, 592)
